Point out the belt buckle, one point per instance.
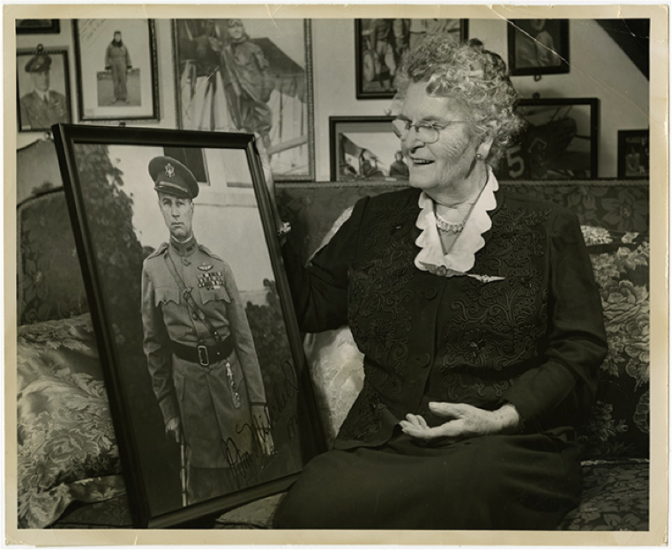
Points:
(203, 357)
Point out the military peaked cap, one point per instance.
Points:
(39, 62)
(172, 177)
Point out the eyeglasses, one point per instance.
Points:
(427, 132)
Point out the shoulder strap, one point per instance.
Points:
(186, 294)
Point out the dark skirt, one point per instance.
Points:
(489, 482)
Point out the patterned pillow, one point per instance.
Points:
(619, 424)
(67, 449)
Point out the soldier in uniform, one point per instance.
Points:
(199, 348)
(42, 107)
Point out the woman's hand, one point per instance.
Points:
(464, 421)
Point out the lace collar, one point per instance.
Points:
(461, 257)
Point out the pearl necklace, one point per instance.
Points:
(448, 227)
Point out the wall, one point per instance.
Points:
(598, 69)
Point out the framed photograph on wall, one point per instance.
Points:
(116, 69)
(253, 76)
(43, 88)
(380, 43)
(38, 26)
(199, 344)
(558, 142)
(365, 149)
(633, 154)
(538, 46)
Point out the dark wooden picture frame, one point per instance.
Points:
(365, 149)
(559, 141)
(372, 62)
(633, 154)
(32, 115)
(538, 46)
(108, 189)
(38, 26)
(125, 89)
(279, 105)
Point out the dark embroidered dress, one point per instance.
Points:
(534, 339)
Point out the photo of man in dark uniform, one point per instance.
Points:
(43, 107)
(200, 351)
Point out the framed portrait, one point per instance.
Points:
(538, 46)
(365, 149)
(38, 26)
(633, 154)
(43, 88)
(250, 75)
(116, 69)
(558, 142)
(201, 353)
(380, 43)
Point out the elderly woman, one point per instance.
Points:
(480, 322)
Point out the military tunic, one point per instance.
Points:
(42, 114)
(214, 402)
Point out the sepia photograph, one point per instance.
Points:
(538, 46)
(116, 69)
(254, 76)
(203, 350)
(365, 148)
(410, 287)
(381, 43)
(559, 141)
(633, 154)
(43, 88)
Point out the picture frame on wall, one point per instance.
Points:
(201, 353)
(559, 141)
(38, 26)
(253, 76)
(538, 46)
(117, 74)
(365, 149)
(633, 154)
(380, 43)
(43, 88)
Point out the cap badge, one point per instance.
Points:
(170, 171)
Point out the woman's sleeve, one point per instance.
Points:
(320, 289)
(565, 383)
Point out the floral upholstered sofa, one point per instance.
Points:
(68, 463)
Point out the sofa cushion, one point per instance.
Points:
(67, 449)
(49, 278)
(615, 497)
(619, 423)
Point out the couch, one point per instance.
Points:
(68, 463)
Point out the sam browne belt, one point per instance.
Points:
(202, 354)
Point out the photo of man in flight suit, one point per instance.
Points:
(200, 351)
